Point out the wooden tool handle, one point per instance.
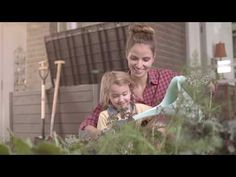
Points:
(55, 96)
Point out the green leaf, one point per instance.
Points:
(20, 146)
(4, 150)
(47, 149)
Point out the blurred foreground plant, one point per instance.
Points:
(181, 134)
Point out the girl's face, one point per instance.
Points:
(120, 96)
(140, 59)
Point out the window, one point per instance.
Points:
(234, 49)
(234, 43)
(64, 26)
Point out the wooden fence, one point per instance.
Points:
(74, 103)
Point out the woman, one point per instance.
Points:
(151, 83)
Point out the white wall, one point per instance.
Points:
(12, 35)
(234, 26)
(193, 43)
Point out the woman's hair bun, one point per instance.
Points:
(141, 28)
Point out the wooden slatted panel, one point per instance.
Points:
(74, 103)
(88, 52)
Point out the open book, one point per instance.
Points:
(176, 100)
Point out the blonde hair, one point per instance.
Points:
(141, 34)
(113, 77)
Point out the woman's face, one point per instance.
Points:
(120, 96)
(140, 59)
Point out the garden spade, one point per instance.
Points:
(43, 73)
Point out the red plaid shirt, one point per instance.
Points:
(158, 82)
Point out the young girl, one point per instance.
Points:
(116, 99)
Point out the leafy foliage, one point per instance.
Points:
(4, 150)
(121, 140)
(180, 134)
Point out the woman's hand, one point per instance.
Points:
(92, 132)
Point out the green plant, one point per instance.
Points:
(183, 133)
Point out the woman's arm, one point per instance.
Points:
(92, 131)
(92, 119)
(89, 125)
